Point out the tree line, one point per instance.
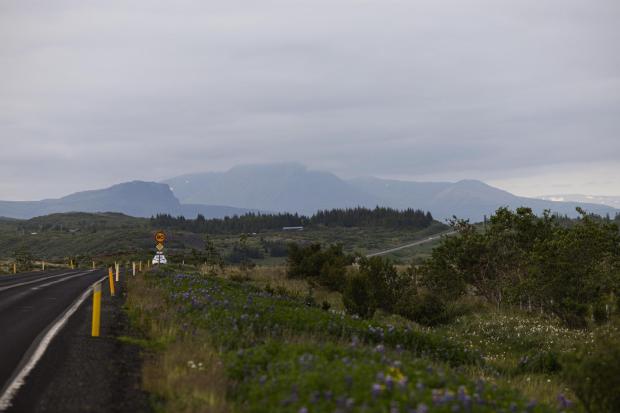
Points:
(251, 222)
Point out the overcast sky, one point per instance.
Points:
(523, 94)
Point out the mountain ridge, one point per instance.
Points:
(134, 198)
(289, 187)
(269, 187)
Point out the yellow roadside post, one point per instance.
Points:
(93, 264)
(133, 269)
(14, 268)
(111, 277)
(96, 310)
(140, 266)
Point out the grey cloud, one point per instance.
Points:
(96, 92)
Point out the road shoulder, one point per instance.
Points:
(79, 373)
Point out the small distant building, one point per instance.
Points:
(292, 228)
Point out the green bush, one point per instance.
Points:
(423, 307)
(358, 297)
(327, 266)
(333, 275)
(23, 259)
(594, 374)
(599, 313)
(386, 283)
(539, 362)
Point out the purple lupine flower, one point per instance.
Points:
(402, 383)
(389, 382)
(348, 381)
(422, 408)
(480, 386)
(294, 394)
(376, 390)
(563, 402)
(466, 401)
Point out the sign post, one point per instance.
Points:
(159, 257)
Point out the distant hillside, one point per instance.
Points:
(466, 199)
(293, 188)
(288, 188)
(276, 187)
(137, 198)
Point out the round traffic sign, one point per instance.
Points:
(160, 236)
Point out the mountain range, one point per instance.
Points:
(294, 188)
(136, 198)
(290, 187)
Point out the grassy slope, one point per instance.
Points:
(59, 236)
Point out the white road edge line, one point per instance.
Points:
(60, 281)
(38, 280)
(19, 378)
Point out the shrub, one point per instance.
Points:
(385, 281)
(358, 297)
(333, 275)
(539, 362)
(423, 307)
(599, 313)
(573, 314)
(313, 262)
(309, 299)
(594, 374)
(23, 259)
(276, 248)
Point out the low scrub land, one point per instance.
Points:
(334, 331)
(83, 237)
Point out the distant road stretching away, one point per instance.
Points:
(413, 244)
(32, 308)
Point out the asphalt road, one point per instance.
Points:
(30, 304)
(413, 244)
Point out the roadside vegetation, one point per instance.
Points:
(331, 330)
